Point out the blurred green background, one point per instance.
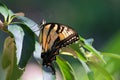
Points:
(98, 19)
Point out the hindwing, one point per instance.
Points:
(53, 37)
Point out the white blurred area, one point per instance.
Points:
(33, 71)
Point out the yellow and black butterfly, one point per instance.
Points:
(53, 37)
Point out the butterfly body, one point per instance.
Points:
(53, 37)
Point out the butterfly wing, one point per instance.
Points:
(53, 37)
(49, 36)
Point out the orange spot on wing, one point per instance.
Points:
(61, 36)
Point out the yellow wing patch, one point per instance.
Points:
(44, 37)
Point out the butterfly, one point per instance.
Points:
(53, 37)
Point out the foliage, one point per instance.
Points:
(21, 43)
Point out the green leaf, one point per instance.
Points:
(112, 55)
(11, 16)
(4, 11)
(31, 24)
(79, 53)
(91, 49)
(74, 51)
(7, 13)
(90, 75)
(113, 45)
(37, 52)
(78, 70)
(25, 42)
(100, 72)
(65, 69)
(9, 60)
(88, 70)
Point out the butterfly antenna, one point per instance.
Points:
(43, 22)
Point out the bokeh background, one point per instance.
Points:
(98, 19)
